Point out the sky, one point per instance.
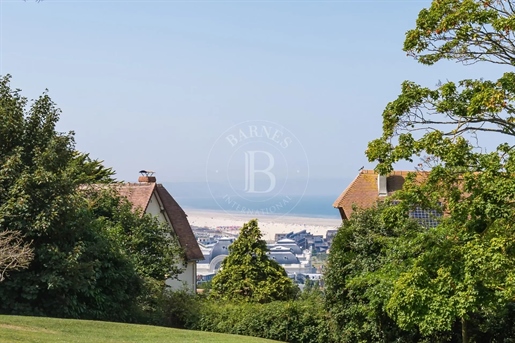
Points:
(155, 84)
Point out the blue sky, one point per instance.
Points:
(153, 84)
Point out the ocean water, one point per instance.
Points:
(306, 206)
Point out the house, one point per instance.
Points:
(152, 198)
(369, 187)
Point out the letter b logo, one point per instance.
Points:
(251, 171)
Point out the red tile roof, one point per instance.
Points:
(139, 194)
(180, 224)
(363, 191)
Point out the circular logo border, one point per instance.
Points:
(271, 123)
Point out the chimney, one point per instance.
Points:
(147, 176)
(381, 185)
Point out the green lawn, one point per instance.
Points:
(41, 330)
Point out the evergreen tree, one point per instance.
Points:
(248, 273)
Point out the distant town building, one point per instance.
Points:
(305, 240)
(285, 252)
(214, 254)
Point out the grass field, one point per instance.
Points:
(42, 330)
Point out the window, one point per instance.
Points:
(427, 218)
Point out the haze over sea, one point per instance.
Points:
(314, 201)
(307, 206)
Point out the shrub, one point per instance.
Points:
(177, 309)
(288, 321)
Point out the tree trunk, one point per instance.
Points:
(464, 331)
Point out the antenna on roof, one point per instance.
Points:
(146, 172)
(360, 169)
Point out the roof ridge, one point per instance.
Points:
(138, 184)
(405, 171)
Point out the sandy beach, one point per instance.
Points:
(269, 225)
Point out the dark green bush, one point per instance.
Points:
(177, 309)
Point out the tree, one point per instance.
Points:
(360, 274)
(476, 189)
(150, 246)
(15, 254)
(390, 279)
(76, 268)
(90, 171)
(455, 281)
(93, 257)
(248, 274)
(467, 31)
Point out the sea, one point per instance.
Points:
(320, 206)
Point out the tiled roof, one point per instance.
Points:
(180, 224)
(363, 191)
(139, 194)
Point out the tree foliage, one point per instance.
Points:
(39, 198)
(248, 274)
(360, 274)
(467, 31)
(464, 276)
(151, 246)
(90, 171)
(93, 257)
(390, 279)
